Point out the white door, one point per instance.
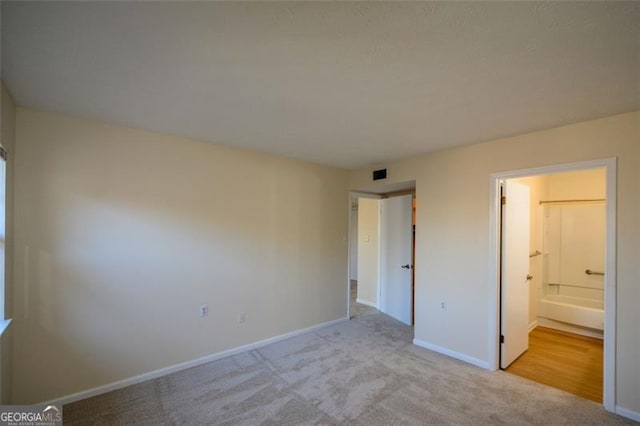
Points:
(396, 298)
(515, 269)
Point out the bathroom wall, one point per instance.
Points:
(575, 233)
(585, 184)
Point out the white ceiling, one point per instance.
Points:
(344, 84)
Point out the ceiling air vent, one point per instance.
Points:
(380, 174)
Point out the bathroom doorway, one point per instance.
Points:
(555, 250)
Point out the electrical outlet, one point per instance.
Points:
(241, 317)
(443, 305)
(204, 310)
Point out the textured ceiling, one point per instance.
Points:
(344, 84)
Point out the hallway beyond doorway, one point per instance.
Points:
(358, 310)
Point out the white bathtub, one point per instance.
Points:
(573, 310)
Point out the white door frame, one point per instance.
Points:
(610, 165)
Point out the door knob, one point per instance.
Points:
(407, 266)
(529, 277)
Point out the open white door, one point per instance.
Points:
(515, 270)
(396, 298)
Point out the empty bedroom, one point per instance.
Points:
(319, 212)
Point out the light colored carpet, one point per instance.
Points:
(363, 371)
(358, 309)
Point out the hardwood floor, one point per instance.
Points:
(565, 361)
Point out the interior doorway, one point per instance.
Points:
(364, 254)
(555, 274)
(381, 265)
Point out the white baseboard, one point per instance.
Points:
(366, 302)
(183, 365)
(633, 415)
(453, 354)
(533, 325)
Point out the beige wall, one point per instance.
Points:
(368, 249)
(7, 138)
(453, 232)
(121, 234)
(583, 184)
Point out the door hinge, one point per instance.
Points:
(501, 338)
(504, 200)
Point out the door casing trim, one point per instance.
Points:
(610, 165)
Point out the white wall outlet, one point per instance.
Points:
(204, 310)
(443, 305)
(241, 317)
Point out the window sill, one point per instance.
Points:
(4, 324)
